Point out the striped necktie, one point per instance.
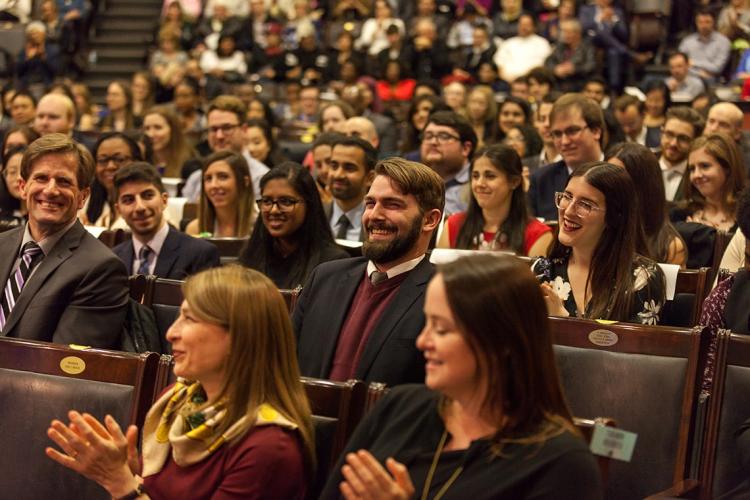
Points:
(144, 254)
(31, 255)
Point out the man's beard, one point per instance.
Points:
(382, 252)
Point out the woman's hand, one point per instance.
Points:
(555, 306)
(365, 478)
(102, 454)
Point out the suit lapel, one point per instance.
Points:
(9, 250)
(59, 253)
(167, 255)
(128, 255)
(409, 291)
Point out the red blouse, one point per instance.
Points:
(534, 230)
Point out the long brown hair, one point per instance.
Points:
(610, 276)
(178, 151)
(262, 363)
(245, 197)
(498, 306)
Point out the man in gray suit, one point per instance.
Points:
(60, 283)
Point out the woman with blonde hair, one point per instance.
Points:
(227, 203)
(235, 424)
(171, 149)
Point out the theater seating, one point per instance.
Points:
(40, 382)
(646, 379)
(691, 289)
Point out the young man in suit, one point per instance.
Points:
(360, 317)
(156, 247)
(60, 283)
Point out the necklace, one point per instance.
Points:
(433, 467)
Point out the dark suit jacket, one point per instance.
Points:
(542, 187)
(391, 355)
(180, 256)
(387, 132)
(78, 294)
(328, 210)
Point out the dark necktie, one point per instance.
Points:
(342, 226)
(378, 277)
(31, 255)
(144, 255)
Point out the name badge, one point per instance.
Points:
(613, 442)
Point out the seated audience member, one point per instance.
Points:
(119, 115)
(112, 151)
(349, 177)
(593, 270)
(366, 333)
(511, 112)
(87, 111)
(573, 59)
(142, 85)
(359, 126)
(12, 203)
(682, 126)
(454, 95)
(520, 54)
(361, 97)
(630, 114)
(395, 86)
(237, 388)
(662, 242)
(492, 421)
(333, 115)
(261, 144)
(707, 50)
(167, 62)
(226, 63)
(541, 82)
(373, 37)
(17, 135)
(683, 86)
(716, 176)
(294, 236)
(497, 218)
(726, 305)
(39, 61)
(416, 120)
(549, 153)
(23, 108)
(156, 248)
(727, 117)
(576, 127)
(63, 285)
(658, 101)
(448, 144)
(171, 149)
(187, 106)
(527, 142)
(481, 111)
(226, 205)
(321, 156)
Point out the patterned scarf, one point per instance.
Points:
(180, 422)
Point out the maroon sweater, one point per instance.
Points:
(267, 463)
(370, 301)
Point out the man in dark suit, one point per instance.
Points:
(349, 177)
(156, 247)
(359, 318)
(60, 283)
(576, 125)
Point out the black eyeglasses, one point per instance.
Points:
(285, 204)
(442, 137)
(119, 161)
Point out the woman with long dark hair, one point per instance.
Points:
(261, 143)
(662, 242)
(491, 420)
(511, 112)
(419, 112)
(593, 270)
(294, 236)
(497, 217)
(120, 115)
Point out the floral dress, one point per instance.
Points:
(649, 284)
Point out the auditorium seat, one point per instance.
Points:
(40, 382)
(229, 248)
(691, 290)
(164, 297)
(646, 379)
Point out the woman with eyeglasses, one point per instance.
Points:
(593, 270)
(226, 208)
(112, 151)
(294, 236)
(497, 218)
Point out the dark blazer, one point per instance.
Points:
(180, 256)
(542, 187)
(391, 355)
(328, 210)
(78, 294)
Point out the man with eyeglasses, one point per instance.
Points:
(576, 127)
(226, 132)
(156, 248)
(448, 144)
(681, 126)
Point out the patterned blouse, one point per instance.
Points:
(649, 284)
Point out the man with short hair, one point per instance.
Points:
(448, 144)
(573, 59)
(577, 127)
(349, 177)
(630, 114)
(60, 283)
(359, 97)
(681, 126)
(368, 332)
(549, 153)
(55, 113)
(728, 118)
(226, 132)
(359, 126)
(707, 50)
(683, 86)
(321, 156)
(155, 248)
(520, 54)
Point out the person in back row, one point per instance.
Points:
(155, 247)
(368, 331)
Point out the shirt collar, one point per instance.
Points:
(354, 215)
(48, 243)
(154, 244)
(396, 270)
(462, 177)
(668, 167)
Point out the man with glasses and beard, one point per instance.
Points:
(360, 317)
